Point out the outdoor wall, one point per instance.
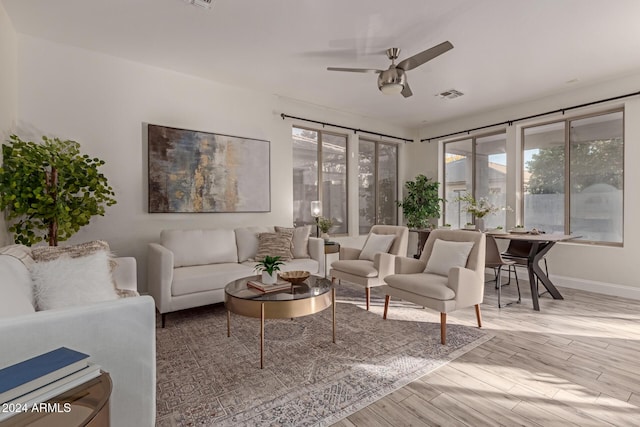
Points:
(602, 269)
(103, 102)
(8, 92)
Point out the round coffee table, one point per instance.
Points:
(312, 296)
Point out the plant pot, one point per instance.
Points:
(480, 224)
(325, 236)
(269, 279)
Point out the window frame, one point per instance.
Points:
(376, 155)
(474, 144)
(319, 143)
(567, 171)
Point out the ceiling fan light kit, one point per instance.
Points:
(393, 80)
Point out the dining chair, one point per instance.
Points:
(496, 261)
(448, 276)
(518, 251)
(370, 265)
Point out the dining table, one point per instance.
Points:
(541, 244)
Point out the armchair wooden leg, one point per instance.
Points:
(386, 306)
(368, 296)
(478, 316)
(164, 318)
(443, 328)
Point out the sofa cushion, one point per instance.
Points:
(200, 247)
(16, 289)
(303, 264)
(424, 284)
(300, 240)
(247, 241)
(274, 244)
(357, 267)
(200, 278)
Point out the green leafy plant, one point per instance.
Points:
(421, 203)
(49, 190)
(325, 224)
(270, 264)
(499, 227)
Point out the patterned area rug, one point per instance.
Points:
(207, 378)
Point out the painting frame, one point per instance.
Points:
(192, 171)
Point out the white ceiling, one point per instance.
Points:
(506, 51)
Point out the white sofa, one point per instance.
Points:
(118, 335)
(190, 268)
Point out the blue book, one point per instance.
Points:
(26, 376)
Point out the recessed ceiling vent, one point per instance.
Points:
(201, 3)
(450, 94)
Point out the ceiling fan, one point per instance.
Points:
(393, 80)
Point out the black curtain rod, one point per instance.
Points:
(284, 116)
(510, 122)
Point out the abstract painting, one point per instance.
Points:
(191, 171)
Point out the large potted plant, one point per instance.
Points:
(421, 203)
(49, 190)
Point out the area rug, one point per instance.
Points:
(206, 378)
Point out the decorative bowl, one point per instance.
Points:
(295, 277)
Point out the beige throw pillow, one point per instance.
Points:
(376, 243)
(300, 240)
(446, 255)
(274, 244)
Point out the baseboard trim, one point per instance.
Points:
(611, 289)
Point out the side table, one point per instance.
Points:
(332, 248)
(87, 405)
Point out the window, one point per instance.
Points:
(581, 194)
(377, 184)
(324, 180)
(477, 166)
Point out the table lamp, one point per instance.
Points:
(316, 211)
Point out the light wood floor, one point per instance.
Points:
(576, 362)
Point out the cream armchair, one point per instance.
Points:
(368, 266)
(454, 276)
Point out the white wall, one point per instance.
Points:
(597, 268)
(102, 102)
(8, 92)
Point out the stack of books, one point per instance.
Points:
(43, 377)
(278, 286)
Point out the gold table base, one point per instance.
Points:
(279, 310)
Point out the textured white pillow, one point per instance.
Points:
(376, 243)
(447, 255)
(66, 281)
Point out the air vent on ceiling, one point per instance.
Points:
(201, 3)
(450, 94)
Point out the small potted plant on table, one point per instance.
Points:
(269, 267)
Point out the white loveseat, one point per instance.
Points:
(190, 268)
(118, 335)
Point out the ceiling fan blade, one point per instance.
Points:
(422, 57)
(406, 92)
(355, 70)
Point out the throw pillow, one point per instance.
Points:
(446, 255)
(67, 281)
(376, 243)
(274, 244)
(300, 240)
(247, 241)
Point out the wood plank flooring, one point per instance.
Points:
(574, 363)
